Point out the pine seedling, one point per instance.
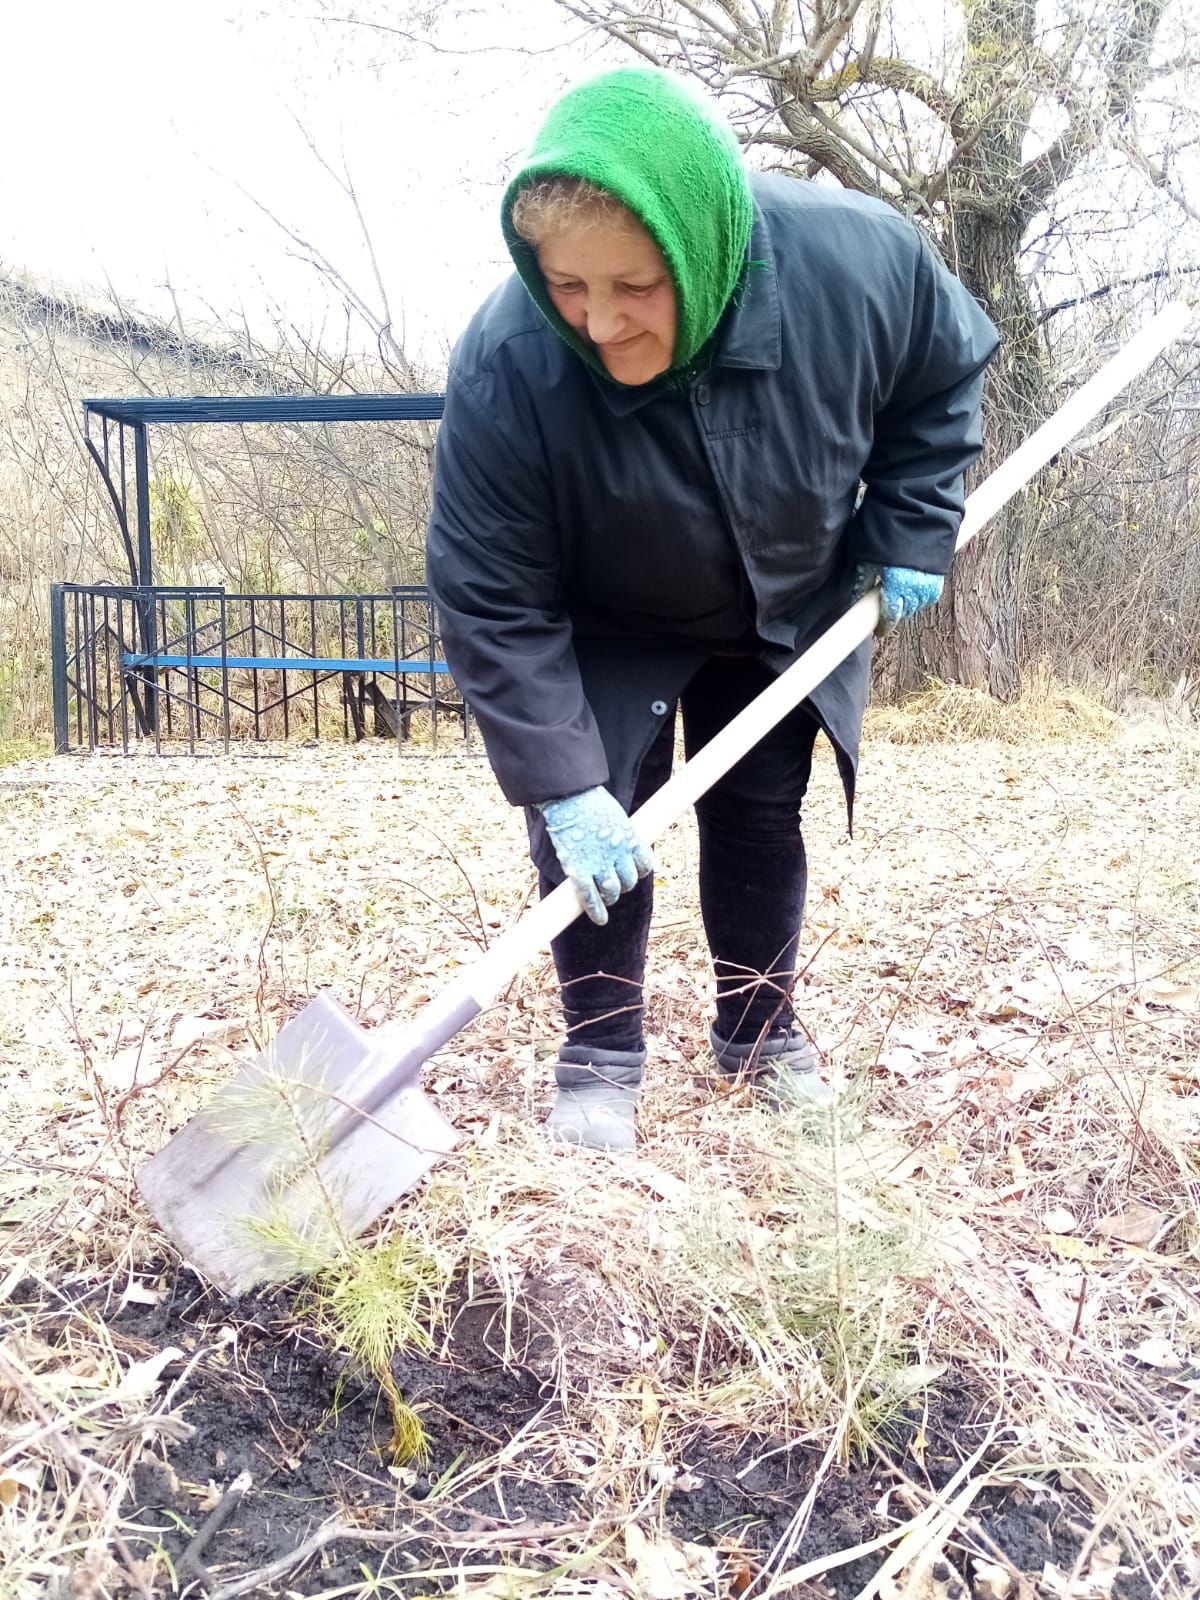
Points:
(371, 1302)
(375, 1302)
(378, 1300)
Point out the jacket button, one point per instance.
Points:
(703, 394)
(658, 707)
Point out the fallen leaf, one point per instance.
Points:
(1059, 1220)
(918, 1375)
(741, 1580)
(212, 1496)
(14, 1479)
(1069, 1248)
(991, 1582)
(189, 1029)
(1031, 1080)
(1184, 1079)
(1136, 1224)
(1176, 996)
(902, 1062)
(1095, 1584)
(1156, 1352)
(663, 1185)
(143, 1377)
(139, 1294)
(1058, 1292)
(668, 1569)
(956, 1241)
(651, 1411)
(1019, 998)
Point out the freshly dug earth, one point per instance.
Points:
(271, 1411)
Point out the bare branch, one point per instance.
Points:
(1136, 28)
(1158, 175)
(806, 136)
(1162, 274)
(837, 29)
(867, 153)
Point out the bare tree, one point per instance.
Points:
(997, 125)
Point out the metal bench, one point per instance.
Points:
(189, 662)
(392, 718)
(207, 660)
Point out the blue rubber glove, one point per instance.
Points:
(597, 847)
(905, 592)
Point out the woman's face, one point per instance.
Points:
(613, 288)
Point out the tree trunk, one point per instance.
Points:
(973, 635)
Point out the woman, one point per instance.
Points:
(649, 494)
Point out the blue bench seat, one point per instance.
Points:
(208, 661)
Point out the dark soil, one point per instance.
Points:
(275, 1403)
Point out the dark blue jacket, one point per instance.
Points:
(590, 545)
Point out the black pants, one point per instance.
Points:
(752, 878)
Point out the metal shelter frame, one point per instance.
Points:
(137, 415)
(116, 434)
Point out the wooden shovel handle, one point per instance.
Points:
(477, 987)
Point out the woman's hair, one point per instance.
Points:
(557, 204)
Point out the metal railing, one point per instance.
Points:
(194, 665)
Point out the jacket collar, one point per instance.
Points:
(750, 336)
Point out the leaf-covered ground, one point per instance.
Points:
(1002, 969)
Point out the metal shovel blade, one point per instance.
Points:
(287, 1165)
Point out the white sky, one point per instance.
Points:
(130, 130)
(138, 135)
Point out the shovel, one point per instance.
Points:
(328, 1127)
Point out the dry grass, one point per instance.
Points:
(1003, 964)
(13, 750)
(947, 713)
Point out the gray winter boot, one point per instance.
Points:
(597, 1096)
(783, 1070)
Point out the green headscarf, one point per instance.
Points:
(642, 136)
